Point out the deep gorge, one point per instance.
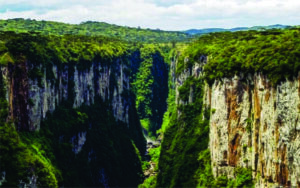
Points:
(80, 110)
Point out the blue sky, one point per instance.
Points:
(163, 14)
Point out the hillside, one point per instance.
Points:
(92, 29)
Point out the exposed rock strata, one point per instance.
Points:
(30, 99)
(254, 125)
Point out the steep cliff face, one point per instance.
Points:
(252, 125)
(31, 99)
(184, 158)
(69, 112)
(229, 130)
(195, 71)
(255, 125)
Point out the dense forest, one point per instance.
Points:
(93, 29)
(136, 101)
(272, 52)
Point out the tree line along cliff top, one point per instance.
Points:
(275, 53)
(58, 49)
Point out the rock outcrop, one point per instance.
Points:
(255, 125)
(31, 98)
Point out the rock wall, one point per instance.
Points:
(195, 71)
(255, 125)
(31, 98)
(252, 125)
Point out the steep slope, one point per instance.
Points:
(70, 112)
(236, 120)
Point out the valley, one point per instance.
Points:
(100, 105)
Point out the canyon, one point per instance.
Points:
(220, 111)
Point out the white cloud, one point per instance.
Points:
(164, 14)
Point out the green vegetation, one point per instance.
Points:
(21, 160)
(113, 152)
(274, 53)
(154, 154)
(249, 125)
(145, 124)
(3, 101)
(52, 153)
(213, 111)
(151, 88)
(149, 182)
(185, 138)
(92, 29)
(184, 158)
(149, 71)
(171, 106)
(243, 178)
(109, 149)
(184, 90)
(44, 50)
(40, 53)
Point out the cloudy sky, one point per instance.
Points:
(163, 14)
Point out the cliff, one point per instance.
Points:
(70, 112)
(184, 159)
(254, 125)
(236, 118)
(71, 108)
(31, 99)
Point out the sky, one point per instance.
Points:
(158, 14)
